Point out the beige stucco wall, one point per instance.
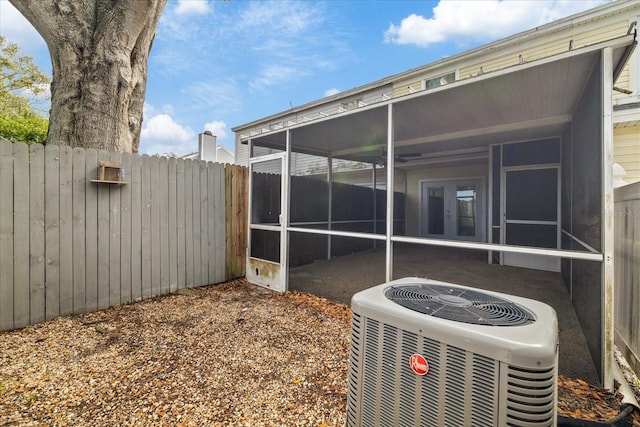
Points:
(414, 176)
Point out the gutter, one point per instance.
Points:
(628, 396)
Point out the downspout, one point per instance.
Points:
(628, 396)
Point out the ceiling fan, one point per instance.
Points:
(403, 158)
(381, 157)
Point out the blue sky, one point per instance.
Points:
(216, 65)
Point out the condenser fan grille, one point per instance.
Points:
(460, 305)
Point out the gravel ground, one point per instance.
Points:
(222, 355)
(225, 355)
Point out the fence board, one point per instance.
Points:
(146, 227)
(78, 184)
(204, 226)
(155, 228)
(91, 231)
(627, 277)
(135, 175)
(163, 200)
(188, 221)
(6, 235)
(242, 191)
(229, 262)
(104, 299)
(125, 230)
(180, 218)
(195, 212)
(235, 223)
(173, 243)
(20, 235)
(66, 231)
(221, 228)
(115, 219)
(36, 235)
(236, 181)
(213, 176)
(52, 231)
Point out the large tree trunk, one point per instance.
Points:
(99, 52)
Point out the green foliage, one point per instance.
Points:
(25, 128)
(20, 80)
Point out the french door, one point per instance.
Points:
(452, 209)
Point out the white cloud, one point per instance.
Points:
(331, 91)
(281, 17)
(148, 110)
(219, 94)
(481, 20)
(161, 134)
(270, 43)
(218, 128)
(164, 127)
(193, 7)
(274, 74)
(283, 38)
(168, 109)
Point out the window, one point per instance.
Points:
(351, 105)
(440, 81)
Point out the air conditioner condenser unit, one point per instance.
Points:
(429, 353)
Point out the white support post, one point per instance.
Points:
(248, 249)
(285, 211)
(390, 167)
(375, 203)
(607, 220)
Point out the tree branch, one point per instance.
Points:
(43, 15)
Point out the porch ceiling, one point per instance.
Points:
(524, 102)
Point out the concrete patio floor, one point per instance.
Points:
(340, 278)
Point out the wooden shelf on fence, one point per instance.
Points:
(106, 181)
(109, 173)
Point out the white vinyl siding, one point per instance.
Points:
(622, 83)
(602, 33)
(407, 87)
(553, 47)
(626, 150)
(242, 153)
(514, 58)
(534, 49)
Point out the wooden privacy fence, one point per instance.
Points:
(627, 273)
(69, 245)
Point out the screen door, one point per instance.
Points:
(531, 215)
(267, 250)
